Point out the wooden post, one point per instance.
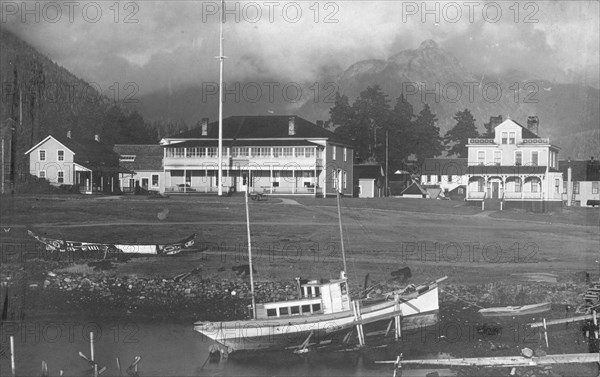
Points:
(595, 324)
(12, 355)
(545, 332)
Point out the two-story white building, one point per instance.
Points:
(516, 167)
(89, 164)
(271, 154)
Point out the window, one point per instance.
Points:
(518, 158)
(518, 185)
(316, 307)
(244, 151)
(344, 178)
(309, 152)
(449, 179)
(497, 157)
(333, 152)
(345, 154)
(511, 138)
(271, 312)
(565, 187)
(288, 151)
(295, 309)
(344, 288)
(255, 152)
(125, 157)
(61, 176)
(595, 187)
(60, 155)
(504, 137)
(534, 158)
(334, 178)
(211, 152)
(265, 152)
(154, 180)
(317, 294)
(277, 152)
(460, 191)
(557, 185)
(299, 152)
(305, 308)
(575, 187)
(283, 311)
(439, 178)
(481, 157)
(42, 174)
(535, 185)
(42, 155)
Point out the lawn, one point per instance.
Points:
(434, 238)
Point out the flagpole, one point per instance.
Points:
(221, 57)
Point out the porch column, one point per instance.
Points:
(315, 181)
(184, 180)
(295, 182)
(522, 186)
(91, 181)
(271, 178)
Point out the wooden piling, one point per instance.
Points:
(12, 356)
(545, 332)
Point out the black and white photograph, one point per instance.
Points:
(369, 188)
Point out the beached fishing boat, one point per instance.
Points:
(151, 249)
(509, 311)
(324, 313)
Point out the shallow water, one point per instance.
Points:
(174, 349)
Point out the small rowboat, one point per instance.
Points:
(509, 311)
(153, 249)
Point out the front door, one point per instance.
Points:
(495, 190)
(244, 183)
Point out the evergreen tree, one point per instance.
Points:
(459, 135)
(427, 140)
(489, 126)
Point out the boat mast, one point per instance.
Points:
(250, 257)
(340, 222)
(221, 58)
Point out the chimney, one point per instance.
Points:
(204, 126)
(97, 137)
(69, 134)
(292, 126)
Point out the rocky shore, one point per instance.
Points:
(192, 297)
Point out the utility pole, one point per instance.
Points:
(387, 155)
(221, 58)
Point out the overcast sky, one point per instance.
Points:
(161, 45)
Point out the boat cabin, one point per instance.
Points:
(317, 298)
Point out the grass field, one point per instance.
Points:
(434, 238)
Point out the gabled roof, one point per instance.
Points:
(414, 189)
(148, 157)
(444, 166)
(262, 127)
(525, 132)
(368, 171)
(89, 153)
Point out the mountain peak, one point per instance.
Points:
(429, 43)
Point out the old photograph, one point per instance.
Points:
(300, 188)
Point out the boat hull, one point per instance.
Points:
(290, 332)
(511, 311)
